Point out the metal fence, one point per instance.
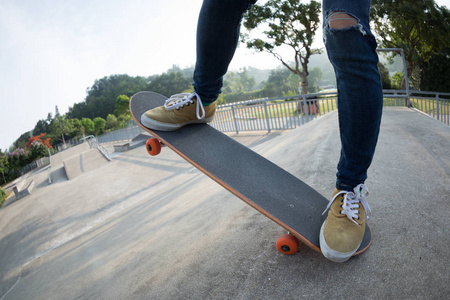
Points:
(44, 161)
(272, 114)
(289, 112)
(436, 105)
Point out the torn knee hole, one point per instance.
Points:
(340, 20)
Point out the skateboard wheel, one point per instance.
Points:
(287, 244)
(153, 146)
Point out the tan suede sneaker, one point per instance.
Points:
(343, 230)
(178, 111)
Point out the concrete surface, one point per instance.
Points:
(144, 227)
(83, 162)
(58, 158)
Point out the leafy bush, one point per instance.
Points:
(2, 196)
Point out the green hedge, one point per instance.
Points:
(2, 196)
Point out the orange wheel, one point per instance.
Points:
(287, 244)
(153, 146)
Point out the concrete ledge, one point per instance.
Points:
(138, 143)
(24, 192)
(142, 136)
(129, 146)
(122, 147)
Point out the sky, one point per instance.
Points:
(51, 51)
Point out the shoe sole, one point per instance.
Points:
(332, 254)
(156, 125)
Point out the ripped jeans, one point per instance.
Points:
(351, 51)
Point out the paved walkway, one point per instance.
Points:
(146, 227)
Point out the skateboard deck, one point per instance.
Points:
(263, 185)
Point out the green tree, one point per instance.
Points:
(187, 72)
(41, 127)
(99, 125)
(3, 164)
(76, 127)
(235, 82)
(314, 78)
(168, 84)
(278, 83)
(289, 23)
(57, 114)
(37, 150)
(420, 27)
(22, 141)
(59, 127)
(78, 111)
(396, 80)
(17, 159)
(122, 106)
(385, 80)
(2, 195)
(435, 73)
(88, 126)
(111, 122)
(101, 97)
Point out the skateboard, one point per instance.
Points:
(263, 185)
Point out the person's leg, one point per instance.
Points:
(351, 48)
(217, 38)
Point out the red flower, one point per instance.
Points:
(45, 142)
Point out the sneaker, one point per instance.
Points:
(343, 230)
(179, 110)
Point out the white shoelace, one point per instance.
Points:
(180, 100)
(351, 202)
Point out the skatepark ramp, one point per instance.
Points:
(58, 158)
(73, 162)
(84, 162)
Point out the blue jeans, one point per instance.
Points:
(218, 29)
(351, 52)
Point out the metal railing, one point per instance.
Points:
(93, 143)
(272, 114)
(436, 105)
(289, 112)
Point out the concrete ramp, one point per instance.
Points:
(58, 158)
(83, 162)
(56, 175)
(57, 172)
